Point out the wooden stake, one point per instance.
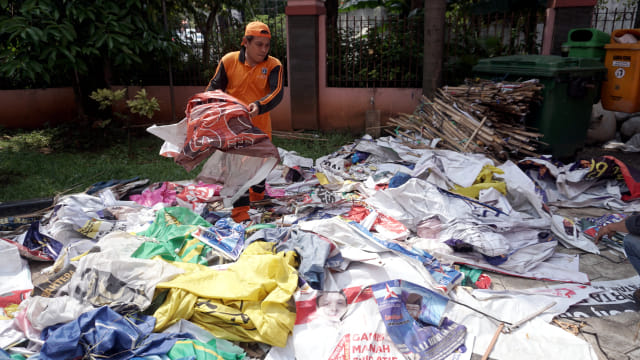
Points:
(475, 132)
(493, 342)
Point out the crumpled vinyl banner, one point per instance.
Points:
(11, 223)
(385, 226)
(337, 325)
(484, 180)
(591, 225)
(103, 333)
(352, 235)
(172, 230)
(250, 300)
(226, 237)
(631, 178)
(125, 284)
(80, 217)
(347, 324)
(446, 276)
(315, 251)
(198, 350)
(150, 196)
(570, 234)
(568, 185)
(42, 312)
(218, 120)
(200, 192)
(50, 286)
(237, 172)
(609, 298)
(209, 346)
(29, 253)
(214, 121)
(413, 316)
(218, 128)
(534, 339)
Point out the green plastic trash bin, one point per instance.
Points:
(586, 43)
(570, 87)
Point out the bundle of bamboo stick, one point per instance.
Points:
(480, 117)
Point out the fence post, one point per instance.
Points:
(434, 23)
(303, 29)
(562, 16)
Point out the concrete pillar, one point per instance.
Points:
(303, 28)
(562, 16)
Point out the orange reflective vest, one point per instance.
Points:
(261, 84)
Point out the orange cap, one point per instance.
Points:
(256, 28)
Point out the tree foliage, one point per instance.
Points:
(43, 39)
(402, 8)
(213, 19)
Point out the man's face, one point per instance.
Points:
(257, 49)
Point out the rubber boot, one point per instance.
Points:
(256, 192)
(240, 211)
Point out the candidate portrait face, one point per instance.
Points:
(332, 304)
(414, 305)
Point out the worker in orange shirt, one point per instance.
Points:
(254, 77)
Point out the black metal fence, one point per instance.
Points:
(190, 68)
(470, 37)
(375, 52)
(388, 52)
(607, 20)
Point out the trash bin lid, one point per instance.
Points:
(537, 65)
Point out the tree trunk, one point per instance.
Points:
(77, 95)
(434, 22)
(206, 31)
(107, 73)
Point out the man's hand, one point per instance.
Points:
(253, 109)
(604, 231)
(610, 230)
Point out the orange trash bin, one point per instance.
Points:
(621, 88)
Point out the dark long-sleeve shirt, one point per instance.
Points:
(633, 224)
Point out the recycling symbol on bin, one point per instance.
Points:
(619, 73)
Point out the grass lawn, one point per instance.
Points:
(38, 164)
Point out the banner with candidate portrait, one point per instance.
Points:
(380, 321)
(413, 317)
